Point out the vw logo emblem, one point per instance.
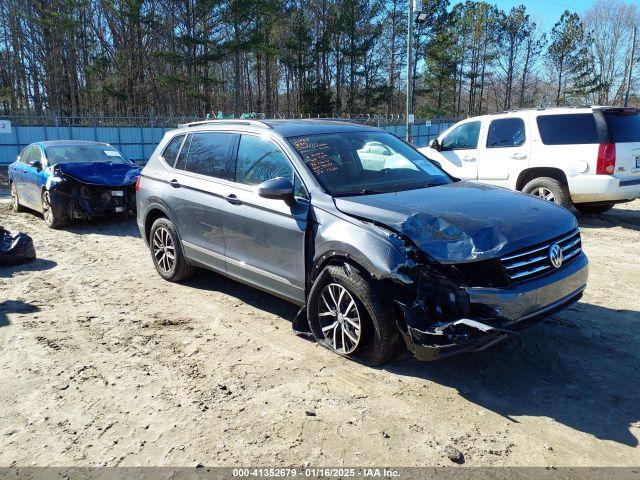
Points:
(555, 255)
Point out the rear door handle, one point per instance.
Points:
(175, 183)
(469, 158)
(233, 199)
(519, 156)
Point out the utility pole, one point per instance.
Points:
(409, 119)
(633, 51)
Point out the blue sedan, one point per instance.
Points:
(68, 180)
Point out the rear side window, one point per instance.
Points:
(181, 164)
(623, 127)
(463, 137)
(209, 153)
(170, 153)
(570, 129)
(506, 132)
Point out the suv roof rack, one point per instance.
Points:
(231, 121)
(541, 108)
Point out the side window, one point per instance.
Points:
(260, 160)
(170, 153)
(506, 132)
(24, 155)
(464, 137)
(569, 129)
(298, 187)
(36, 155)
(209, 153)
(181, 163)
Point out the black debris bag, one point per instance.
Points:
(15, 248)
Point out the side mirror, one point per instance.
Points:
(36, 164)
(435, 144)
(278, 188)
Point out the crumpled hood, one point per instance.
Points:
(101, 173)
(463, 221)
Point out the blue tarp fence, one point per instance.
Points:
(136, 138)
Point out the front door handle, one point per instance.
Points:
(469, 158)
(175, 183)
(233, 199)
(519, 156)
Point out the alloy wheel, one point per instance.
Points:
(47, 211)
(14, 198)
(545, 193)
(164, 249)
(339, 318)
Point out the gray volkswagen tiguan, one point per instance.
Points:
(381, 248)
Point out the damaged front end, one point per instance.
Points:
(75, 199)
(454, 308)
(436, 312)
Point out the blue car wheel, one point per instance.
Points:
(15, 201)
(50, 213)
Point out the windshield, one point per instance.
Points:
(360, 163)
(84, 153)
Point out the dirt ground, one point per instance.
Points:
(104, 363)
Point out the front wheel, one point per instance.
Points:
(349, 315)
(166, 251)
(549, 189)
(51, 215)
(15, 201)
(594, 208)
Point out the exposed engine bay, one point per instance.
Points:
(79, 199)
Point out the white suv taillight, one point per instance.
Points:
(606, 159)
(138, 184)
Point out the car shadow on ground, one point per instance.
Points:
(616, 217)
(579, 368)
(211, 281)
(35, 265)
(14, 306)
(111, 226)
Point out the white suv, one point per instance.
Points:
(587, 157)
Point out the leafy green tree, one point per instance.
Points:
(569, 55)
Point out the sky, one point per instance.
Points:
(547, 12)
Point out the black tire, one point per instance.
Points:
(584, 208)
(164, 240)
(52, 213)
(379, 336)
(15, 200)
(558, 192)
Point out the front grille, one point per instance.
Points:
(534, 261)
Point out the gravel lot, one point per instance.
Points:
(104, 363)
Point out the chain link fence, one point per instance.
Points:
(137, 137)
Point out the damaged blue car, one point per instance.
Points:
(70, 180)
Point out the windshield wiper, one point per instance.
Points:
(351, 193)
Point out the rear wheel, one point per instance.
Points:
(51, 216)
(348, 315)
(166, 251)
(549, 189)
(594, 208)
(15, 200)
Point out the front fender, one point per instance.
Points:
(375, 249)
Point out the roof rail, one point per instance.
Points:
(231, 121)
(540, 108)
